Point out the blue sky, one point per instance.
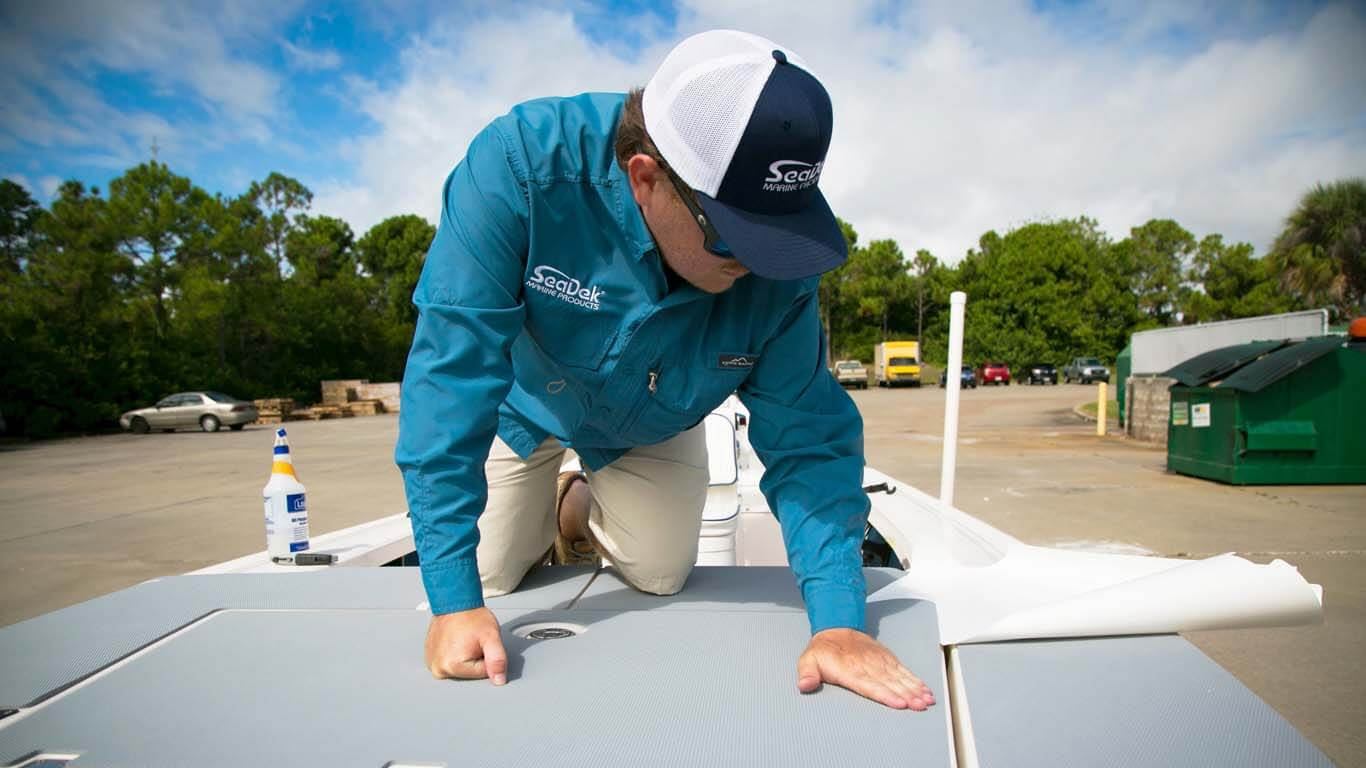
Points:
(951, 117)
(304, 55)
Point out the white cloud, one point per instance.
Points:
(309, 59)
(457, 79)
(42, 189)
(47, 186)
(951, 118)
(53, 52)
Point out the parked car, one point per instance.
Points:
(1085, 370)
(206, 410)
(1042, 373)
(994, 373)
(851, 373)
(967, 378)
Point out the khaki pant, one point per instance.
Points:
(644, 520)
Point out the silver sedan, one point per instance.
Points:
(206, 410)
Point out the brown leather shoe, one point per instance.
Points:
(577, 550)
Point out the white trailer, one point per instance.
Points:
(1158, 350)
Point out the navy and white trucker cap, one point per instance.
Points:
(742, 121)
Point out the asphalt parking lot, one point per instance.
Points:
(86, 516)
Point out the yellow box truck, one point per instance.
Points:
(896, 363)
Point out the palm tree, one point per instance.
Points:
(1321, 253)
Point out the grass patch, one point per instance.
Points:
(1111, 410)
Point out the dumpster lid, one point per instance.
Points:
(1218, 363)
(1281, 363)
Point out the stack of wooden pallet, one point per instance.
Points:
(274, 410)
(342, 398)
(363, 407)
(319, 412)
(358, 397)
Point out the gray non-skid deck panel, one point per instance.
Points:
(546, 587)
(48, 652)
(347, 688)
(716, 588)
(1130, 701)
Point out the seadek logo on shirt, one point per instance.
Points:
(553, 282)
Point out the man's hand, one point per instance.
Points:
(466, 645)
(853, 660)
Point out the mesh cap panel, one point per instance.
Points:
(700, 99)
(709, 115)
(704, 51)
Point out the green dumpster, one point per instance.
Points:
(1271, 412)
(1124, 364)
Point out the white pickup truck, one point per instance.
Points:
(850, 373)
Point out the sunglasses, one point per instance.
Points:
(711, 239)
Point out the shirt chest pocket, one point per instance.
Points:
(572, 335)
(683, 396)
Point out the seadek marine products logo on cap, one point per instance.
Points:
(792, 175)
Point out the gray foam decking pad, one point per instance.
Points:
(711, 588)
(43, 654)
(1127, 701)
(348, 688)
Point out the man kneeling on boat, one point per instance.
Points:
(608, 268)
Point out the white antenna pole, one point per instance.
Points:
(953, 379)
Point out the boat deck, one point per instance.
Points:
(262, 669)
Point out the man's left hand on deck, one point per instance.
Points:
(854, 660)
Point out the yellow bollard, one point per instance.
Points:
(1100, 409)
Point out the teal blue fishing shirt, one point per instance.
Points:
(544, 311)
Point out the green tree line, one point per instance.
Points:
(1052, 290)
(109, 301)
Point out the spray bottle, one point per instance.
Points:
(286, 509)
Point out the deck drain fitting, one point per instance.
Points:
(548, 630)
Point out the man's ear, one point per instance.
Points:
(645, 175)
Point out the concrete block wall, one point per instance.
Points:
(342, 391)
(1149, 408)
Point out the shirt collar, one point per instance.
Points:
(633, 222)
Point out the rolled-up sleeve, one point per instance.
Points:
(809, 435)
(459, 370)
